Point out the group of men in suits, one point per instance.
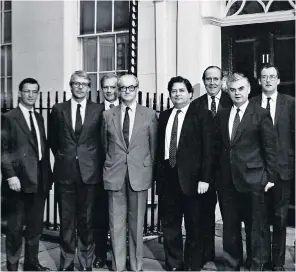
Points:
(221, 145)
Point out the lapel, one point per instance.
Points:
(205, 102)
(187, 124)
(280, 103)
(137, 124)
(24, 126)
(68, 117)
(117, 124)
(222, 102)
(246, 120)
(89, 113)
(224, 120)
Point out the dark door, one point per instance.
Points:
(247, 48)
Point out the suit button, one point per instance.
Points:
(127, 152)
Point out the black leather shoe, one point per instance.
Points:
(278, 268)
(169, 268)
(86, 269)
(99, 262)
(35, 267)
(261, 267)
(69, 268)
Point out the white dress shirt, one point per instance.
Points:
(217, 100)
(169, 127)
(131, 114)
(233, 112)
(272, 103)
(107, 104)
(26, 114)
(74, 109)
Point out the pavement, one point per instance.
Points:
(49, 253)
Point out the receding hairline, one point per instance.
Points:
(128, 75)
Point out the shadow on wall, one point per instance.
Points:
(196, 92)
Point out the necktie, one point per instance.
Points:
(33, 130)
(213, 106)
(111, 106)
(78, 124)
(173, 143)
(268, 104)
(236, 122)
(125, 127)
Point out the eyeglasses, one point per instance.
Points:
(271, 77)
(106, 88)
(78, 84)
(29, 91)
(130, 88)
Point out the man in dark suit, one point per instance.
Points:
(129, 139)
(184, 167)
(214, 100)
(26, 169)
(101, 216)
(75, 143)
(246, 161)
(282, 111)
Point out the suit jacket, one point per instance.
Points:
(249, 160)
(20, 153)
(202, 101)
(138, 158)
(284, 128)
(194, 153)
(65, 147)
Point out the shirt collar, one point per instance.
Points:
(132, 106)
(24, 109)
(183, 110)
(273, 96)
(242, 107)
(107, 103)
(82, 103)
(217, 96)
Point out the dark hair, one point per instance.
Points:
(28, 80)
(106, 77)
(179, 79)
(266, 66)
(211, 67)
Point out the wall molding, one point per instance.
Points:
(277, 16)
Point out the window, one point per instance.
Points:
(6, 56)
(104, 31)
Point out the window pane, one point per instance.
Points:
(2, 91)
(93, 88)
(87, 17)
(107, 54)
(121, 15)
(90, 54)
(7, 27)
(122, 52)
(7, 5)
(2, 61)
(104, 16)
(280, 5)
(9, 61)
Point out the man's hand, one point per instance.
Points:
(202, 187)
(268, 186)
(14, 184)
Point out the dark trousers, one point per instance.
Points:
(28, 210)
(173, 205)
(76, 202)
(250, 208)
(209, 201)
(101, 221)
(278, 205)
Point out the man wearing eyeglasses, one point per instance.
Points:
(282, 111)
(75, 142)
(214, 100)
(110, 91)
(26, 177)
(129, 139)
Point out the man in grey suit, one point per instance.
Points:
(129, 134)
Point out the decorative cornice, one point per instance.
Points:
(257, 18)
